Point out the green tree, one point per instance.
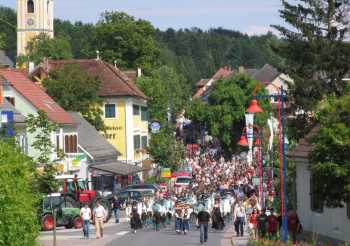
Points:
(129, 42)
(75, 90)
(224, 112)
(8, 23)
(18, 217)
(42, 127)
(43, 46)
(165, 149)
(166, 92)
(314, 50)
(80, 36)
(157, 103)
(2, 41)
(330, 159)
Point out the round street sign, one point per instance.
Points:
(155, 127)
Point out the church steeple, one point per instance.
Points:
(33, 17)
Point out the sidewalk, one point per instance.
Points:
(241, 241)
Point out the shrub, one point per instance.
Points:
(18, 201)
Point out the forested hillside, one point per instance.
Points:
(194, 53)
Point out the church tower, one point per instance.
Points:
(33, 17)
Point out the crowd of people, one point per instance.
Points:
(221, 191)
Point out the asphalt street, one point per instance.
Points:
(168, 237)
(120, 234)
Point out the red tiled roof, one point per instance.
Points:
(222, 73)
(113, 81)
(36, 96)
(304, 147)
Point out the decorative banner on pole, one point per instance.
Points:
(166, 173)
(249, 120)
(270, 123)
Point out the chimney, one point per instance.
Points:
(241, 69)
(139, 72)
(31, 67)
(115, 63)
(97, 55)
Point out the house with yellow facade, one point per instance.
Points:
(125, 112)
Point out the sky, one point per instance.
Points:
(248, 16)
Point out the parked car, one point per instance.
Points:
(144, 187)
(67, 212)
(132, 195)
(183, 181)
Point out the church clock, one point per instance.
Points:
(33, 17)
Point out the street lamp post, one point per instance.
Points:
(258, 144)
(255, 108)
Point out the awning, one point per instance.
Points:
(117, 167)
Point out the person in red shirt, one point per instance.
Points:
(253, 222)
(293, 225)
(272, 225)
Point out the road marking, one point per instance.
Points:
(122, 233)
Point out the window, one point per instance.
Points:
(30, 6)
(144, 142)
(70, 144)
(144, 114)
(22, 141)
(316, 200)
(137, 142)
(109, 110)
(11, 100)
(135, 109)
(348, 210)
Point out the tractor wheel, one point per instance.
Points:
(47, 222)
(77, 223)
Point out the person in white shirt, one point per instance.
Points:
(85, 214)
(240, 218)
(99, 216)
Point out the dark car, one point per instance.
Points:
(153, 187)
(129, 194)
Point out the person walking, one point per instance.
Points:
(99, 217)
(203, 221)
(85, 214)
(186, 221)
(135, 221)
(178, 220)
(117, 205)
(272, 225)
(294, 226)
(239, 217)
(253, 222)
(262, 224)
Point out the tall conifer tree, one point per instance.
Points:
(316, 50)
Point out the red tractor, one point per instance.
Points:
(79, 190)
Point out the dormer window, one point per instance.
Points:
(30, 6)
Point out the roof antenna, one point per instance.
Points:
(97, 55)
